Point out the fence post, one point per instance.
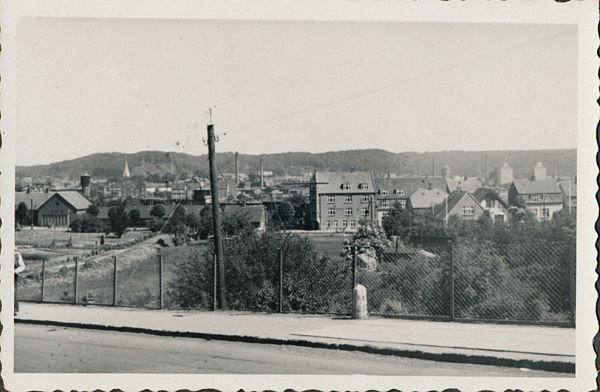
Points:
(451, 280)
(75, 293)
(114, 280)
(573, 271)
(160, 280)
(280, 280)
(214, 307)
(43, 279)
(353, 268)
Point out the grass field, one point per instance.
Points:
(331, 245)
(137, 276)
(43, 238)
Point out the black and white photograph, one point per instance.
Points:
(249, 198)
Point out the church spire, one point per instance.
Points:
(126, 173)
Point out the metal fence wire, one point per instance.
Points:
(468, 280)
(532, 282)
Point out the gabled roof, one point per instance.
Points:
(32, 199)
(453, 199)
(487, 193)
(425, 198)
(333, 182)
(564, 186)
(75, 199)
(407, 184)
(255, 213)
(464, 184)
(526, 186)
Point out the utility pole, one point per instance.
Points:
(237, 171)
(486, 169)
(216, 213)
(262, 180)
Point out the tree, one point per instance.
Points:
(21, 213)
(117, 217)
(134, 217)
(158, 211)
(397, 221)
(236, 223)
(369, 241)
(93, 210)
(301, 210)
(168, 177)
(285, 215)
(86, 223)
(176, 223)
(153, 177)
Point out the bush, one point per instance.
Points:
(87, 223)
(311, 282)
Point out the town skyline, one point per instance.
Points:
(292, 86)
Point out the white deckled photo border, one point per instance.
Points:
(581, 13)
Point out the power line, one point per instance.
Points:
(396, 83)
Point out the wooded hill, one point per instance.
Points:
(466, 163)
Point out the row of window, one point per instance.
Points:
(539, 197)
(334, 223)
(395, 192)
(468, 210)
(386, 203)
(362, 185)
(348, 199)
(545, 212)
(364, 211)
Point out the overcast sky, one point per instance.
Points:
(104, 85)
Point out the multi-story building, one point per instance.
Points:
(569, 194)
(461, 204)
(340, 200)
(542, 197)
(392, 190)
(493, 204)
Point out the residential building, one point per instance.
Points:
(468, 184)
(493, 204)
(462, 204)
(542, 197)
(423, 201)
(391, 190)
(340, 200)
(569, 194)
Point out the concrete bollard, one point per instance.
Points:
(359, 302)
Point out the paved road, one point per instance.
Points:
(71, 350)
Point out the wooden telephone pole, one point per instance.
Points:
(216, 213)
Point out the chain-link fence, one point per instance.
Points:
(467, 280)
(532, 282)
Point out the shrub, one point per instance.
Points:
(311, 282)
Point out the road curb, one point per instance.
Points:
(551, 366)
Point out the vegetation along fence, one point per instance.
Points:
(467, 280)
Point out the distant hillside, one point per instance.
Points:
(468, 163)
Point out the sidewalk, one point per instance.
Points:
(544, 348)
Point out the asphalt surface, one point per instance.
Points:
(70, 350)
